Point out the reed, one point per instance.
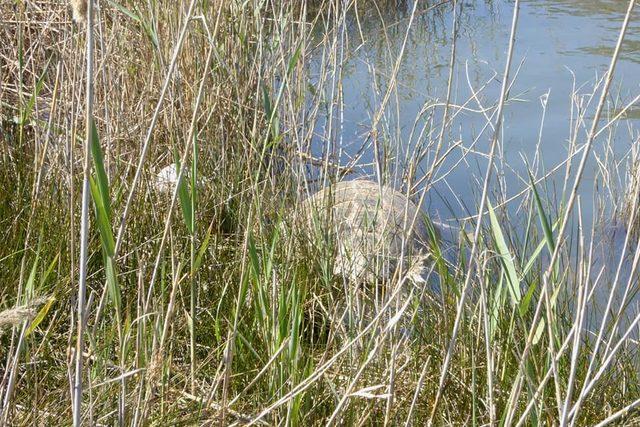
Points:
(202, 304)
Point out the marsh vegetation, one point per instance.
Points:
(200, 303)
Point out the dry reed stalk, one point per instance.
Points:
(563, 226)
(84, 218)
(483, 202)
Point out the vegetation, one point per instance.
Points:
(203, 306)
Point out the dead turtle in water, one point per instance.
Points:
(374, 230)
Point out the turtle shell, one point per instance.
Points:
(373, 228)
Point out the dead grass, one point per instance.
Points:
(233, 321)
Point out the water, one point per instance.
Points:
(560, 45)
(562, 48)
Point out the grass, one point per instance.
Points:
(206, 306)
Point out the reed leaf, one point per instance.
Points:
(506, 259)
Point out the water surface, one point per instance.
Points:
(562, 47)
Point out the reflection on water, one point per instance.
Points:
(594, 24)
(563, 48)
(561, 45)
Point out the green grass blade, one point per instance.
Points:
(526, 300)
(30, 285)
(544, 220)
(185, 200)
(261, 294)
(102, 219)
(266, 101)
(125, 11)
(28, 109)
(202, 250)
(497, 302)
(440, 262)
(100, 174)
(532, 259)
(49, 270)
(113, 287)
(194, 184)
(42, 313)
(108, 245)
(294, 59)
(506, 258)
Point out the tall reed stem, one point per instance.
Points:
(84, 219)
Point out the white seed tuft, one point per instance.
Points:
(79, 9)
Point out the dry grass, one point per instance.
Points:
(200, 309)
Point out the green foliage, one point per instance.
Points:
(506, 259)
(102, 203)
(240, 315)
